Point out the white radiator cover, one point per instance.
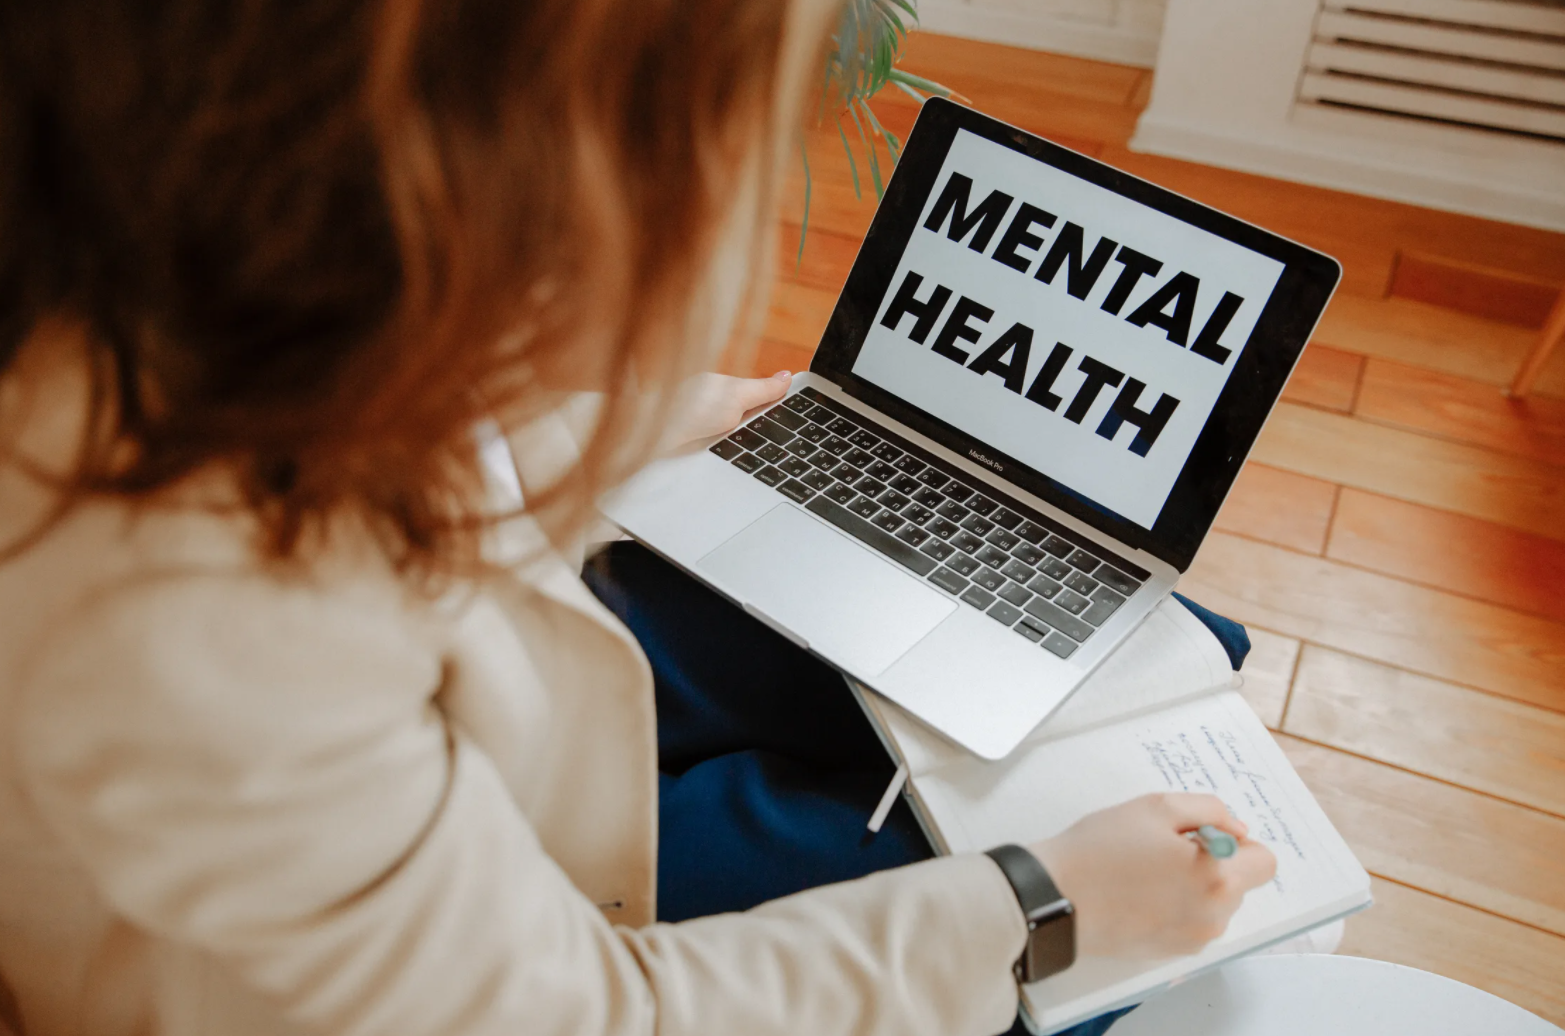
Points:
(1123, 31)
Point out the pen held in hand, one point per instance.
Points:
(1218, 843)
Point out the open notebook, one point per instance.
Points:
(1161, 714)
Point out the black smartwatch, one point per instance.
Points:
(1051, 920)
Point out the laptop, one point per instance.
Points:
(1035, 391)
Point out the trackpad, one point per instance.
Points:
(859, 611)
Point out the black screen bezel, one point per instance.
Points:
(1261, 371)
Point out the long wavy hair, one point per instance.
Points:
(312, 243)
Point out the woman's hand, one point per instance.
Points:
(712, 404)
(1140, 887)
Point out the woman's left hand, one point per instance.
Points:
(712, 404)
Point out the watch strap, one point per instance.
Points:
(1051, 922)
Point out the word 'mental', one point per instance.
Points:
(1009, 356)
(1171, 307)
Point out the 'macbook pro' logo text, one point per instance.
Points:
(980, 458)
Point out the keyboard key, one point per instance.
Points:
(976, 525)
(893, 500)
(864, 507)
(1060, 645)
(1028, 631)
(912, 534)
(727, 450)
(962, 563)
(837, 446)
(818, 480)
(967, 542)
(771, 453)
(938, 550)
(879, 539)
(952, 510)
(1071, 601)
(795, 490)
(944, 529)
(795, 467)
(858, 458)
(1031, 532)
(1002, 539)
(813, 432)
(881, 470)
(841, 426)
(1003, 613)
(988, 578)
(948, 581)
(994, 558)
(800, 447)
(887, 452)
(888, 521)
(1016, 570)
(1057, 617)
(956, 490)
(748, 462)
(1054, 568)
(1017, 595)
(932, 478)
(978, 597)
(864, 440)
(981, 504)
(1027, 554)
(770, 475)
(1059, 546)
(820, 415)
(1084, 561)
(799, 403)
(910, 464)
(823, 460)
(1041, 628)
(1043, 585)
(1111, 576)
(766, 427)
(928, 497)
(1006, 519)
(787, 418)
(845, 472)
(748, 439)
(840, 493)
(1082, 584)
(907, 485)
(1104, 603)
(868, 486)
(917, 514)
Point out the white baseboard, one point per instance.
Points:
(1436, 181)
(1122, 44)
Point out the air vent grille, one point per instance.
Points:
(1492, 65)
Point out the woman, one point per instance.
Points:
(308, 727)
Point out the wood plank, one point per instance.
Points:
(798, 314)
(1279, 507)
(1480, 741)
(1464, 555)
(826, 261)
(1456, 843)
(771, 357)
(1510, 960)
(1426, 631)
(1268, 673)
(1325, 377)
(1513, 491)
(1503, 295)
(1463, 410)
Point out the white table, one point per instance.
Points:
(1317, 995)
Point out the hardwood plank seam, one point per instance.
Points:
(1331, 520)
(1408, 582)
(1426, 776)
(1293, 679)
(1437, 437)
(1470, 906)
(1358, 381)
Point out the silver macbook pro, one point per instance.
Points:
(1037, 387)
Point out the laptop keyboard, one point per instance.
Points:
(1020, 568)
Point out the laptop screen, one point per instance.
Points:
(1098, 341)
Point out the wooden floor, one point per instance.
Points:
(1396, 544)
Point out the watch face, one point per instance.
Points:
(1051, 943)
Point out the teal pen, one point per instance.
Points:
(1220, 844)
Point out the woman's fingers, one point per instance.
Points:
(1252, 866)
(754, 392)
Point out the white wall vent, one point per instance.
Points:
(1492, 65)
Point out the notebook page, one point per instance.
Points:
(1214, 744)
(1170, 656)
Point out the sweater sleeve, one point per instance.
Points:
(265, 774)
